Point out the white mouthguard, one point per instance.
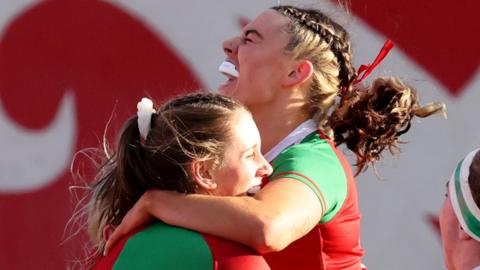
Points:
(228, 68)
(253, 190)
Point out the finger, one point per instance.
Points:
(117, 234)
(106, 248)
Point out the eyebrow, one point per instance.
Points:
(249, 148)
(253, 31)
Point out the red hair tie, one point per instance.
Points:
(367, 69)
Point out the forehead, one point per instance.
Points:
(268, 23)
(244, 130)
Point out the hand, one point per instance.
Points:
(136, 217)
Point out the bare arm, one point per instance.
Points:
(279, 214)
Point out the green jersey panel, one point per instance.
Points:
(161, 246)
(314, 163)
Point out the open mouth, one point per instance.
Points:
(228, 69)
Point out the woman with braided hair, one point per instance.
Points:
(293, 70)
(193, 144)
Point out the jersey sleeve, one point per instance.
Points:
(228, 255)
(318, 167)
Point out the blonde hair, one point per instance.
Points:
(368, 119)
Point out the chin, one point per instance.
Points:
(229, 89)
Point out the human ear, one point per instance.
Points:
(201, 175)
(302, 71)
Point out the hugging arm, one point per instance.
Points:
(282, 212)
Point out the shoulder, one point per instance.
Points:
(165, 246)
(229, 255)
(315, 158)
(312, 151)
(318, 164)
(169, 247)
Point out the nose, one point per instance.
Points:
(265, 168)
(230, 47)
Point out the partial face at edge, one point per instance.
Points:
(243, 166)
(258, 53)
(449, 230)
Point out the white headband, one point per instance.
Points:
(144, 116)
(465, 208)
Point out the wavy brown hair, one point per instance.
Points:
(367, 119)
(187, 128)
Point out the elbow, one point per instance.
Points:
(268, 236)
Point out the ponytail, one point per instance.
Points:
(112, 191)
(371, 120)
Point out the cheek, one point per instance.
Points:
(444, 218)
(230, 182)
(244, 176)
(442, 214)
(257, 87)
(257, 62)
(448, 224)
(447, 215)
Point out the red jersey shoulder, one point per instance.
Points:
(228, 255)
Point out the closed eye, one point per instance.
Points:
(247, 36)
(246, 40)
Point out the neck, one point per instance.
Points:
(278, 118)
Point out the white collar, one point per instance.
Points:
(296, 136)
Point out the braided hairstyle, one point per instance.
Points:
(367, 119)
(192, 127)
